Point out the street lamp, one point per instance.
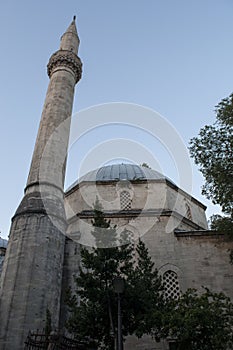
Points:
(118, 285)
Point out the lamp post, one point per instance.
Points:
(118, 285)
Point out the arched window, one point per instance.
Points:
(125, 200)
(171, 285)
(188, 212)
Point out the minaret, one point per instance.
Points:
(32, 272)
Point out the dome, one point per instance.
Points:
(116, 172)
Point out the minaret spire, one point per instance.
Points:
(32, 273)
(70, 40)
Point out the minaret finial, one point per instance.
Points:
(70, 40)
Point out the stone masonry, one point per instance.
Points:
(32, 273)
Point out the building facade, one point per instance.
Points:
(49, 225)
(170, 221)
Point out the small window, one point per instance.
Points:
(125, 200)
(171, 285)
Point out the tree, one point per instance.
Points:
(144, 294)
(200, 322)
(93, 308)
(212, 150)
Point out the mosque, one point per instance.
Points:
(49, 225)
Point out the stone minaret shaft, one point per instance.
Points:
(32, 273)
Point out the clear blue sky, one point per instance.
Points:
(172, 56)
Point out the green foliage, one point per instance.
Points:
(105, 235)
(146, 288)
(222, 224)
(93, 309)
(200, 322)
(212, 150)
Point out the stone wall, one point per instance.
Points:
(2, 256)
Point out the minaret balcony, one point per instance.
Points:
(65, 58)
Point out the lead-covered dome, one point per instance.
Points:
(120, 172)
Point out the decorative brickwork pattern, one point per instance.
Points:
(125, 200)
(171, 285)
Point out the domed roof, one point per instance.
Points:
(116, 172)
